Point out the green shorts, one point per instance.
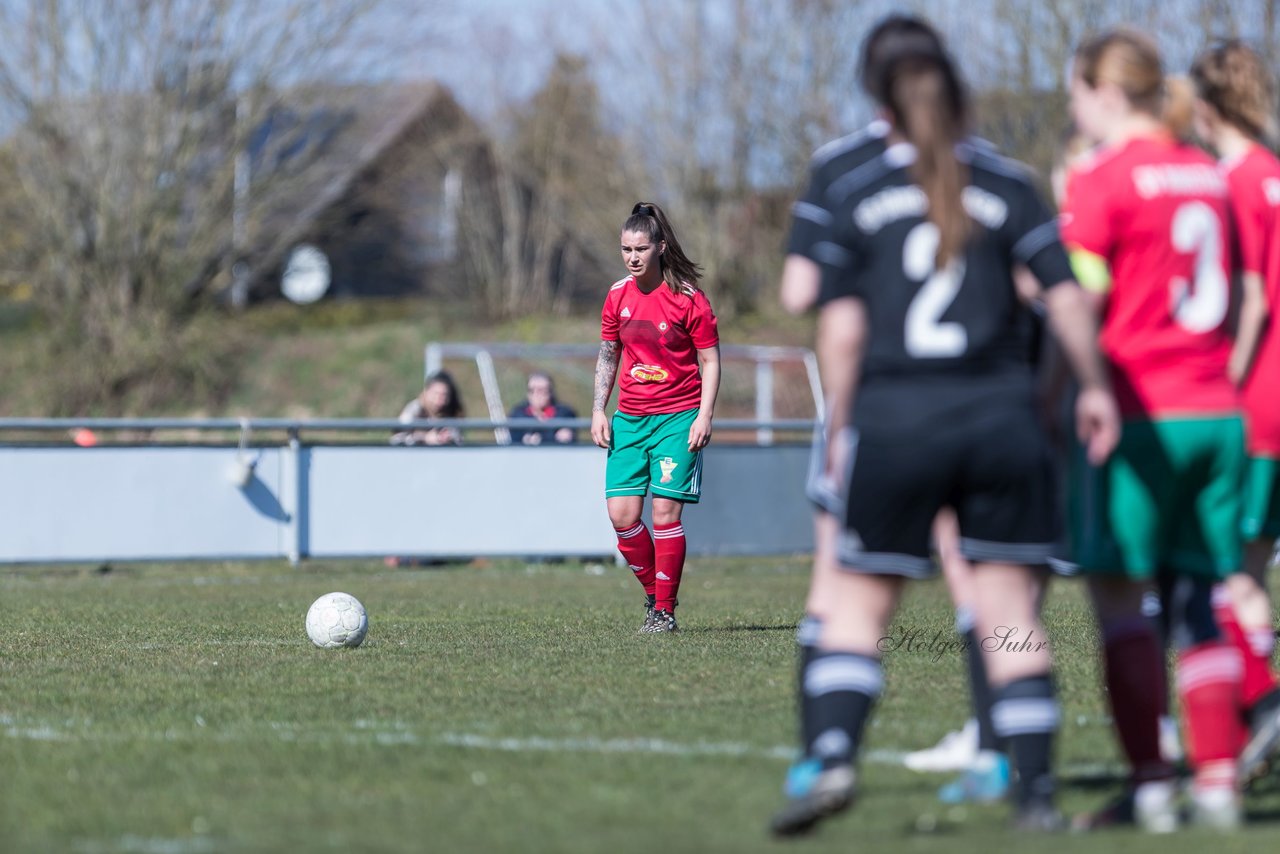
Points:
(651, 452)
(1261, 499)
(1169, 498)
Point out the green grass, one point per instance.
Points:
(502, 707)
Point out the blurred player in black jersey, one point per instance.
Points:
(921, 240)
(973, 750)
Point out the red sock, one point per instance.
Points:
(1135, 677)
(1209, 688)
(637, 550)
(1258, 679)
(669, 548)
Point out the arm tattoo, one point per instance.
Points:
(606, 372)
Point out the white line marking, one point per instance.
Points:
(612, 745)
(397, 734)
(150, 845)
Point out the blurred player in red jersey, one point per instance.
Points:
(657, 326)
(1234, 113)
(1146, 221)
(1076, 150)
(921, 242)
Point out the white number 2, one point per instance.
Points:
(926, 335)
(1200, 306)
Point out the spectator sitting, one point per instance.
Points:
(439, 399)
(541, 405)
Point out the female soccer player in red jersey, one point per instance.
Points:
(1146, 222)
(658, 328)
(1234, 113)
(923, 237)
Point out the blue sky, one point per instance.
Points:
(490, 50)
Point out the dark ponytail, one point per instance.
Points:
(905, 67)
(679, 272)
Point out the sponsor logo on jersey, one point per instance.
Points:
(662, 327)
(668, 467)
(626, 311)
(1178, 179)
(648, 374)
(987, 208)
(890, 205)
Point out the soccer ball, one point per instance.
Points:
(337, 620)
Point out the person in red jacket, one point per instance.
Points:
(1234, 113)
(1147, 223)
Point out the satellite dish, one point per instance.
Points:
(306, 275)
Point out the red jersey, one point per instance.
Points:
(661, 334)
(1254, 182)
(1156, 211)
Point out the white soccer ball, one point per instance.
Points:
(337, 620)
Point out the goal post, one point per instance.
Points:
(763, 383)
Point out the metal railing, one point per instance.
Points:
(765, 358)
(241, 429)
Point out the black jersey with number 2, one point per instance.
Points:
(963, 321)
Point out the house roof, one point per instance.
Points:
(315, 144)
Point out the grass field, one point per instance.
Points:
(502, 707)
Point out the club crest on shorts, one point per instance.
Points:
(648, 373)
(668, 466)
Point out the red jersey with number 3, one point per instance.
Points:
(1254, 183)
(661, 333)
(1156, 211)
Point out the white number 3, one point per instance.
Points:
(926, 336)
(1202, 308)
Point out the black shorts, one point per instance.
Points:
(992, 465)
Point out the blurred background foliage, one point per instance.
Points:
(125, 207)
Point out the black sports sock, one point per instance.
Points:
(839, 690)
(1025, 715)
(980, 692)
(807, 633)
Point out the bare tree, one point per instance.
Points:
(542, 229)
(727, 104)
(127, 118)
(1017, 55)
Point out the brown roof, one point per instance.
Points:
(316, 144)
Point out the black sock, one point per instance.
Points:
(808, 631)
(1025, 715)
(838, 692)
(980, 691)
